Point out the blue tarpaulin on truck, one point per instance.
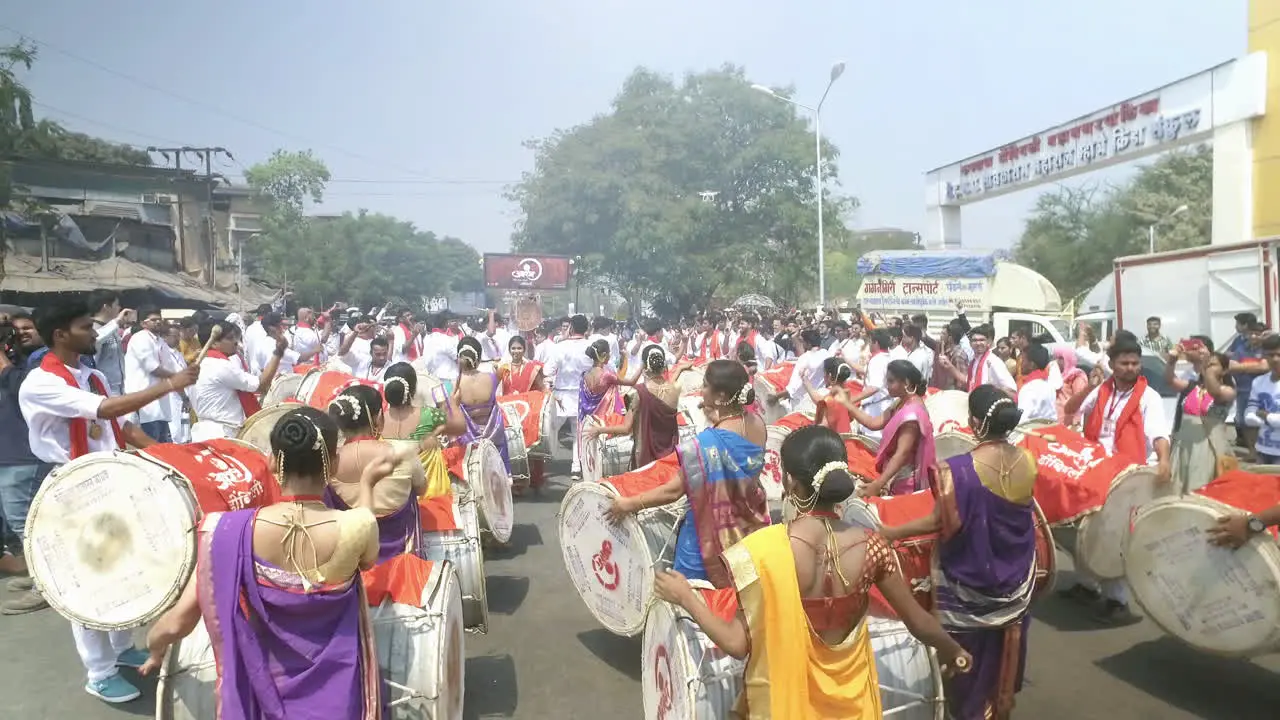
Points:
(923, 263)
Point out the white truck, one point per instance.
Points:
(1199, 291)
(933, 282)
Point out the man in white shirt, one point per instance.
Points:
(356, 350)
(70, 412)
(440, 354)
(1262, 410)
(567, 364)
(110, 323)
(263, 351)
(304, 339)
(987, 368)
(808, 367)
(254, 334)
(849, 345)
(493, 339)
(873, 398)
(179, 408)
(1037, 398)
(651, 333)
(603, 329)
(226, 393)
(747, 332)
(1139, 434)
(143, 367)
(918, 353)
(896, 350)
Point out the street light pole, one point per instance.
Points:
(1151, 229)
(836, 71)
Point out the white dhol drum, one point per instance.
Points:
(683, 675)
(462, 549)
(691, 380)
(491, 487)
(420, 653)
(1218, 600)
(1100, 537)
(1030, 426)
(110, 539)
(691, 407)
(518, 453)
(420, 650)
(948, 410)
(429, 390)
(771, 475)
(283, 387)
(615, 455)
(591, 450)
(910, 679)
(952, 443)
(612, 566)
(257, 430)
(770, 411)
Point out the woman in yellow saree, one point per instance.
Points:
(803, 597)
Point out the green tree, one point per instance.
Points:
(682, 190)
(283, 185)
(1074, 235)
(843, 280)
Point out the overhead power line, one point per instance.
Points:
(206, 105)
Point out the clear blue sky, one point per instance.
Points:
(414, 90)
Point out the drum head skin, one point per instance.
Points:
(487, 476)
(1019, 432)
(111, 540)
(257, 430)
(771, 475)
(283, 388)
(591, 450)
(948, 410)
(910, 678)
(1101, 536)
(683, 675)
(1220, 601)
(953, 443)
(611, 566)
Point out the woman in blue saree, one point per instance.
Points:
(720, 476)
(280, 592)
(985, 560)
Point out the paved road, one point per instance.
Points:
(545, 657)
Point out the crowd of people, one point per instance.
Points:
(83, 377)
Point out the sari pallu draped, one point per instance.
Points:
(791, 673)
(983, 577)
(657, 428)
(516, 382)
(282, 653)
(922, 471)
(605, 401)
(399, 532)
(721, 474)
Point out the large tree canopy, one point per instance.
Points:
(683, 190)
(358, 257)
(1074, 235)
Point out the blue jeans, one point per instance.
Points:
(158, 431)
(18, 486)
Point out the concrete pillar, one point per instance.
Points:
(942, 227)
(1233, 191)
(1264, 36)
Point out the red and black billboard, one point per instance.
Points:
(527, 272)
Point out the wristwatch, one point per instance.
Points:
(1255, 525)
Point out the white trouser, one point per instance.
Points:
(557, 423)
(100, 649)
(212, 430)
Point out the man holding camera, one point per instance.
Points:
(20, 471)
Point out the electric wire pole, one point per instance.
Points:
(205, 155)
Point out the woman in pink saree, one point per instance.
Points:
(907, 461)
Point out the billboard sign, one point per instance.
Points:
(527, 272)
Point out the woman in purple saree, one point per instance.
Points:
(907, 460)
(358, 413)
(599, 393)
(280, 592)
(477, 394)
(654, 421)
(985, 560)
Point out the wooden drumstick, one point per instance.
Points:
(214, 334)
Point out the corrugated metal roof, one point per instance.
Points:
(23, 275)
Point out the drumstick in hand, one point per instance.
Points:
(214, 334)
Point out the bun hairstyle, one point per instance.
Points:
(655, 359)
(994, 414)
(469, 353)
(305, 442)
(598, 351)
(356, 408)
(731, 380)
(400, 384)
(815, 455)
(836, 367)
(909, 374)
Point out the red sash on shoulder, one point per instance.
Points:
(1036, 375)
(249, 402)
(412, 353)
(1131, 437)
(79, 427)
(978, 370)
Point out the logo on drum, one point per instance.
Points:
(527, 271)
(662, 678)
(772, 467)
(605, 568)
